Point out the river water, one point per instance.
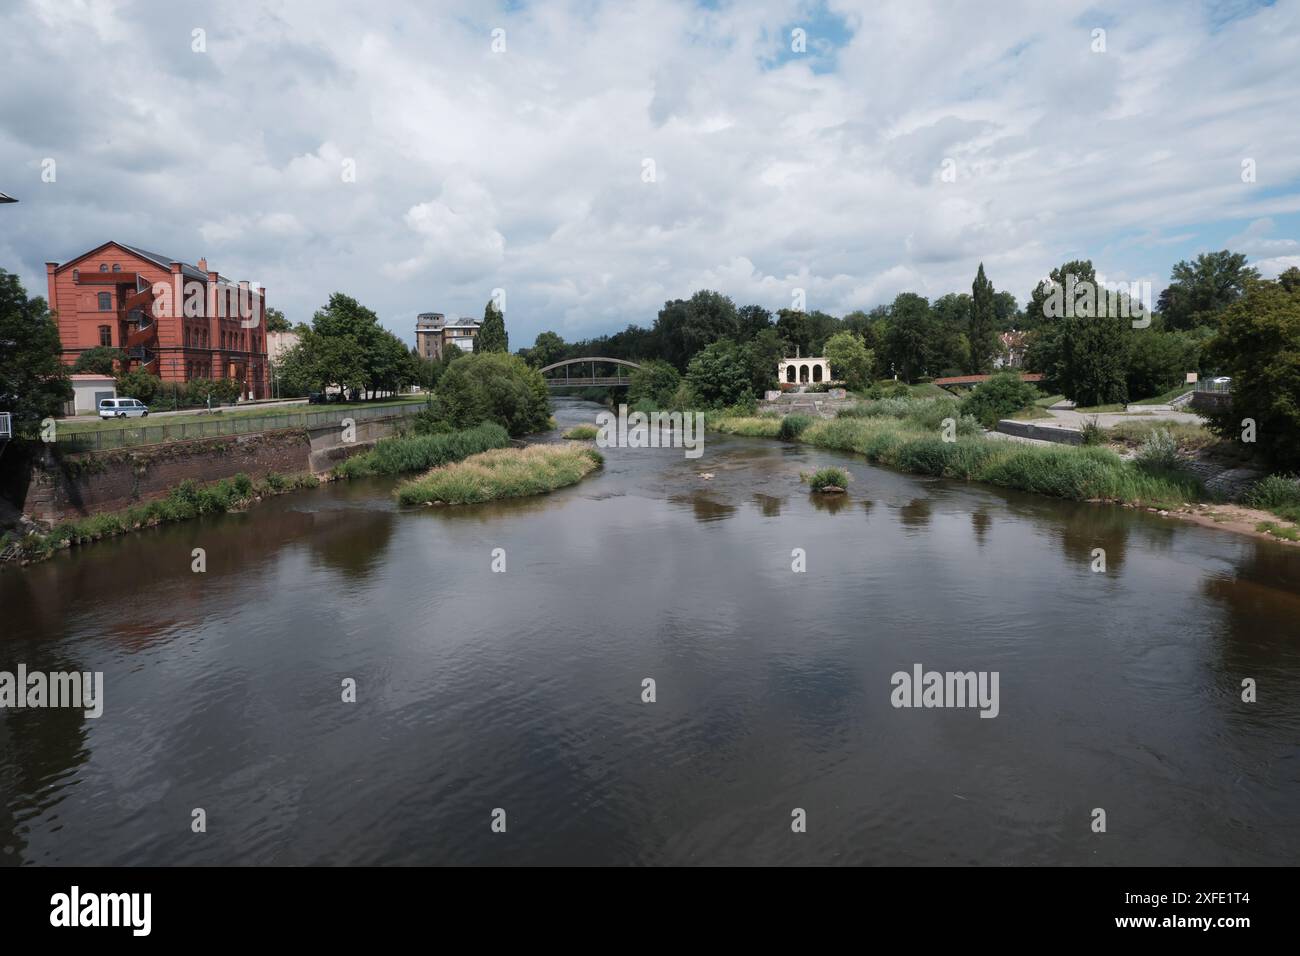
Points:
(521, 691)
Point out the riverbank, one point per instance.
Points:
(502, 473)
(191, 499)
(187, 500)
(910, 442)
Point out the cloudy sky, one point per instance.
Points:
(615, 155)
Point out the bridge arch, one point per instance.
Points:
(588, 378)
(584, 361)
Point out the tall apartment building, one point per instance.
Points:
(178, 321)
(434, 332)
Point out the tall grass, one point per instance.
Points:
(407, 453)
(502, 473)
(1279, 494)
(792, 426)
(898, 435)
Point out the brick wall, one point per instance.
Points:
(76, 485)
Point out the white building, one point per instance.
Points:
(803, 371)
(87, 390)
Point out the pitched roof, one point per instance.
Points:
(192, 271)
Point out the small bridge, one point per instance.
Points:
(589, 378)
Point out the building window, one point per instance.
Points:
(116, 267)
(105, 302)
(105, 335)
(103, 267)
(76, 275)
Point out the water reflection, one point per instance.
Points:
(704, 506)
(832, 503)
(768, 505)
(916, 513)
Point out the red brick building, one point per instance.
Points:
(178, 321)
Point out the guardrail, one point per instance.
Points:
(1217, 387)
(216, 426)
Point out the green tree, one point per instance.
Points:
(1258, 345)
(492, 335)
(33, 381)
(763, 353)
(1157, 361)
(909, 335)
(983, 332)
(1092, 359)
(1002, 395)
(683, 327)
(949, 347)
(1198, 291)
(1038, 313)
(139, 384)
(719, 374)
(101, 360)
(493, 387)
(850, 359)
(796, 331)
(752, 319)
(547, 348)
(276, 322)
(655, 382)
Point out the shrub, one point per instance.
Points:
(493, 387)
(582, 432)
(1093, 433)
(792, 426)
(1002, 395)
(827, 478)
(394, 456)
(1160, 450)
(654, 383)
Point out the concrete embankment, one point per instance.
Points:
(1038, 432)
(58, 485)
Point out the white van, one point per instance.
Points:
(122, 408)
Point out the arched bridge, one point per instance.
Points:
(588, 378)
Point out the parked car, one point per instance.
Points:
(122, 408)
(316, 398)
(1223, 380)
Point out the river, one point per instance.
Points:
(522, 691)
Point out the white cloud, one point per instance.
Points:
(522, 170)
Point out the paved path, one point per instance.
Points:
(1069, 418)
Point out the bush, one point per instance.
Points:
(1092, 432)
(493, 387)
(719, 375)
(655, 383)
(1279, 494)
(394, 456)
(582, 432)
(1002, 395)
(792, 426)
(1160, 450)
(827, 478)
